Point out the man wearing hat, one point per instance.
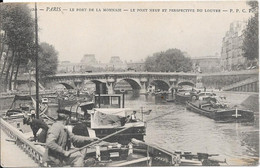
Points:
(59, 141)
(36, 125)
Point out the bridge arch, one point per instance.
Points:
(186, 82)
(66, 85)
(160, 84)
(97, 81)
(133, 83)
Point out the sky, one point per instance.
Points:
(134, 35)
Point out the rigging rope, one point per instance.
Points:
(161, 116)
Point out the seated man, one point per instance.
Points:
(133, 117)
(58, 144)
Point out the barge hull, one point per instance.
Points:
(231, 115)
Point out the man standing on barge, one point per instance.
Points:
(58, 144)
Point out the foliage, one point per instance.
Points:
(18, 27)
(48, 60)
(251, 41)
(168, 61)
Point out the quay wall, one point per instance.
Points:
(220, 80)
(5, 103)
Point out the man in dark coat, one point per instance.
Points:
(59, 141)
(36, 125)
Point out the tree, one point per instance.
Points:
(18, 27)
(48, 60)
(150, 62)
(168, 61)
(251, 41)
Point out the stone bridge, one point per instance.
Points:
(106, 81)
(245, 81)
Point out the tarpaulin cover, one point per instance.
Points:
(109, 117)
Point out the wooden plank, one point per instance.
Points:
(131, 162)
(190, 162)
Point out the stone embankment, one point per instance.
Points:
(246, 100)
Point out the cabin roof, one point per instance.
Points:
(108, 95)
(114, 111)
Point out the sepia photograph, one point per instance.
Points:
(129, 84)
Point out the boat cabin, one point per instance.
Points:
(205, 95)
(105, 121)
(109, 101)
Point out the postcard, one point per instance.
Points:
(119, 84)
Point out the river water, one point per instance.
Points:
(172, 127)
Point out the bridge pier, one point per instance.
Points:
(110, 88)
(110, 85)
(136, 92)
(143, 89)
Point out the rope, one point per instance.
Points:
(159, 116)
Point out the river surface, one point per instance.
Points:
(172, 127)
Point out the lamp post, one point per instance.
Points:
(30, 71)
(30, 87)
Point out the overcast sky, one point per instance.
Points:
(135, 35)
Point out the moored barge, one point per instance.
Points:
(184, 96)
(211, 108)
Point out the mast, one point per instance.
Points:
(36, 62)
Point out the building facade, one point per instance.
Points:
(89, 63)
(136, 66)
(89, 59)
(116, 63)
(69, 67)
(206, 64)
(232, 54)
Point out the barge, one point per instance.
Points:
(212, 108)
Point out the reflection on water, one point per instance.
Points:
(180, 129)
